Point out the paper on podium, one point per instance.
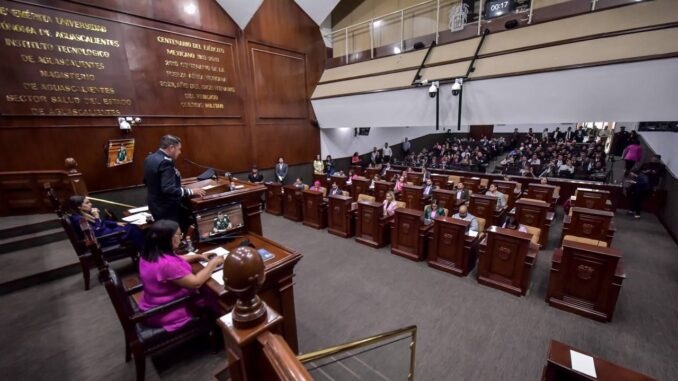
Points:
(218, 277)
(220, 251)
(139, 209)
(472, 233)
(583, 363)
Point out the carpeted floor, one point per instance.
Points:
(346, 291)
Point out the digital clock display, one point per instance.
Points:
(496, 8)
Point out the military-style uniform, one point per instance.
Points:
(165, 193)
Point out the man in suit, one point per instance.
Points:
(281, 171)
(255, 176)
(335, 191)
(461, 193)
(569, 135)
(429, 187)
(466, 216)
(163, 184)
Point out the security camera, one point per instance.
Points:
(456, 87)
(433, 90)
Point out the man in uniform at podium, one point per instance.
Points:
(221, 223)
(163, 184)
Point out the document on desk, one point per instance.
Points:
(583, 363)
(220, 251)
(218, 277)
(138, 210)
(472, 233)
(137, 217)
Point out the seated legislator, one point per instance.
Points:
(318, 166)
(254, 176)
(461, 193)
(398, 187)
(82, 209)
(466, 216)
(432, 211)
(298, 183)
(335, 191)
(316, 187)
(429, 187)
(221, 223)
(167, 276)
(501, 198)
(390, 204)
(374, 179)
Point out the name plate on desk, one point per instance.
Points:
(583, 363)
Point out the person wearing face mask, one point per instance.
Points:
(466, 216)
(461, 193)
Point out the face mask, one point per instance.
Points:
(462, 215)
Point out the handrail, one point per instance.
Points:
(281, 358)
(417, 75)
(111, 202)
(412, 329)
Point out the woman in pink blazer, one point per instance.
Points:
(399, 184)
(632, 154)
(390, 204)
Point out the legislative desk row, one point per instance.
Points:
(586, 274)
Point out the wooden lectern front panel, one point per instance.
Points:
(416, 178)
(340, 217)
(407, 239)
(446, 199)
(412, 195)
(440, 181)
(274, 200)
(368, 230)
(447, 250)
(592, 199)
(541, 192)
(586, 280)
(484, 207)
(471, 183)
(380, 190)
(341, 182)
(590, 223)
(314, 209)
(360, 186)
(292, 203)
(504, 263)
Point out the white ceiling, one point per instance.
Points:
(242, 11)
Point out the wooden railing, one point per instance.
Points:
(23, 192)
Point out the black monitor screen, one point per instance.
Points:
(219, 221)
(496, 8)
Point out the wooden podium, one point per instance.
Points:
(508, 188)
(413, 196)
(440, 181)
(450, 249)
(506, 260)
(372, 228)
(416, 178)
(243, 192)
(340, 218)
(586, 280)
(341, 182)
(589, 223)
(274, 198)
(380, 190)
(536, 214)
(543, 192)
(486, 207)
(292, 207)
(592, 199)
(559, 367)
(370, 172)
(447, 199)
(471, 183)
(392, 175)
(359, 185)
(408, 234)
(322, 177)
(315, 209)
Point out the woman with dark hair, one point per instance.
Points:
(632, 155)
(82, 210)
(167, 276)
(329, 166)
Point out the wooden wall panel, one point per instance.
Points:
(232, 138)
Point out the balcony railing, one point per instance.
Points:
(442, 21)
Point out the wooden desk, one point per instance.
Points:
(357, 169)
(543, 192)
(508, 188)
(274, 198)
(315, 209)
(486, 207)
(341, 183)
(471, 183)
(416, 178)
(360, 185)
(440, 181)
(372, 228)
(408, 234)
(589, 223)
(413, 196)
(447, 199)
(380, 190)
(392, 174)
(292, 207)
(536, 214)
(592, 199)
(506, 260)
(320, 177)
(247, 194)
(559, 367)
(450, 249)
(277, 290)
(370, 172)
(586, 280)
(341, 216)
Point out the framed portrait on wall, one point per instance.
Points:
(119, 152)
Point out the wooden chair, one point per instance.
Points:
(589, 223)
(140, 339)
(86, 258)
(366, 197)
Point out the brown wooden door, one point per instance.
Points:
(480, 130)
